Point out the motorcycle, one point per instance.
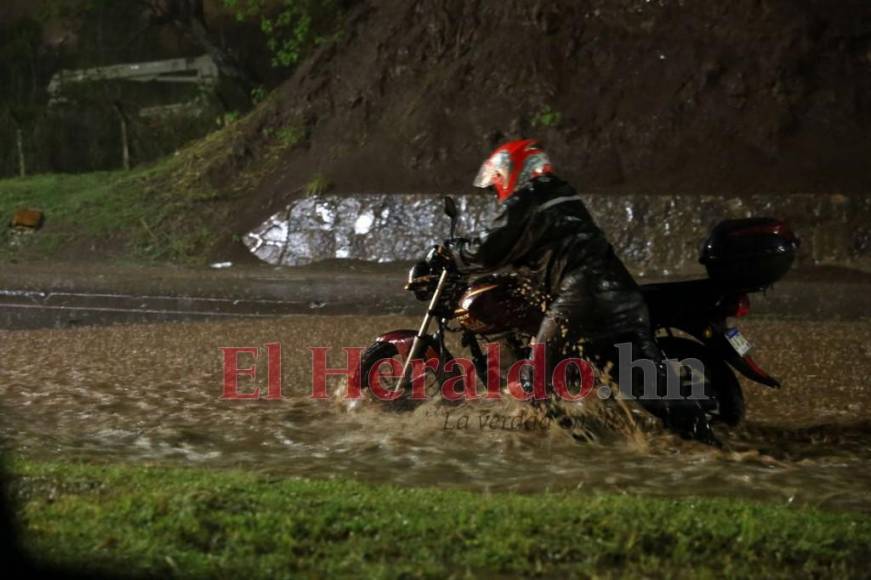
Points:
(693, 319)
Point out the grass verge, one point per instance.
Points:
(114, 213)
(204, 523)
(177, 209)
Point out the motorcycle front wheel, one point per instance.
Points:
(375, 359)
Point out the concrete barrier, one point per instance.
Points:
(655, 235)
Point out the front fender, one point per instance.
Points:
(403, 339)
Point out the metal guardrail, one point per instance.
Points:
(200, 70)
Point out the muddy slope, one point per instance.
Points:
(630, 95)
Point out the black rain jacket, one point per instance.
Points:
(546, 230)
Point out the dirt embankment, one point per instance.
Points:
(628, 95)
(658, 96)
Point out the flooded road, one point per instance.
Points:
(153, 393)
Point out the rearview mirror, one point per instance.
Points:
(451, 212)
(450, 207)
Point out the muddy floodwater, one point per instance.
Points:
(152, 393)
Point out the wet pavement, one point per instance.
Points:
(43, 295)
(69, 295)
(153, 393)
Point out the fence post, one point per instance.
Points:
(19, 142)
(125, 143)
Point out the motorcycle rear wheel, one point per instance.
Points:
(720, 382)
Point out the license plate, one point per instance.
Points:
(738, 342)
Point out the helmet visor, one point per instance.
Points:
(494, 170)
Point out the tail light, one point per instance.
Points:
(766, 226)
(741, 306)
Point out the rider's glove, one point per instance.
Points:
(456, 245)
(454, 251)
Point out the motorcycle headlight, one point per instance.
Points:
(420, 281)
(418, 271)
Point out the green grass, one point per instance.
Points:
(172, 210)
(317, 185)
(121, 211)
(290, 136)
(90, 200)
(547, 117)
(192, 522)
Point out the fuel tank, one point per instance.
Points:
(501, 302)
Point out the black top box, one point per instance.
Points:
(749, 254)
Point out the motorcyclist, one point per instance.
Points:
(544, 228)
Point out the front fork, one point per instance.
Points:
(421, 335)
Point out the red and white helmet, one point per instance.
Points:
(513, 166)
